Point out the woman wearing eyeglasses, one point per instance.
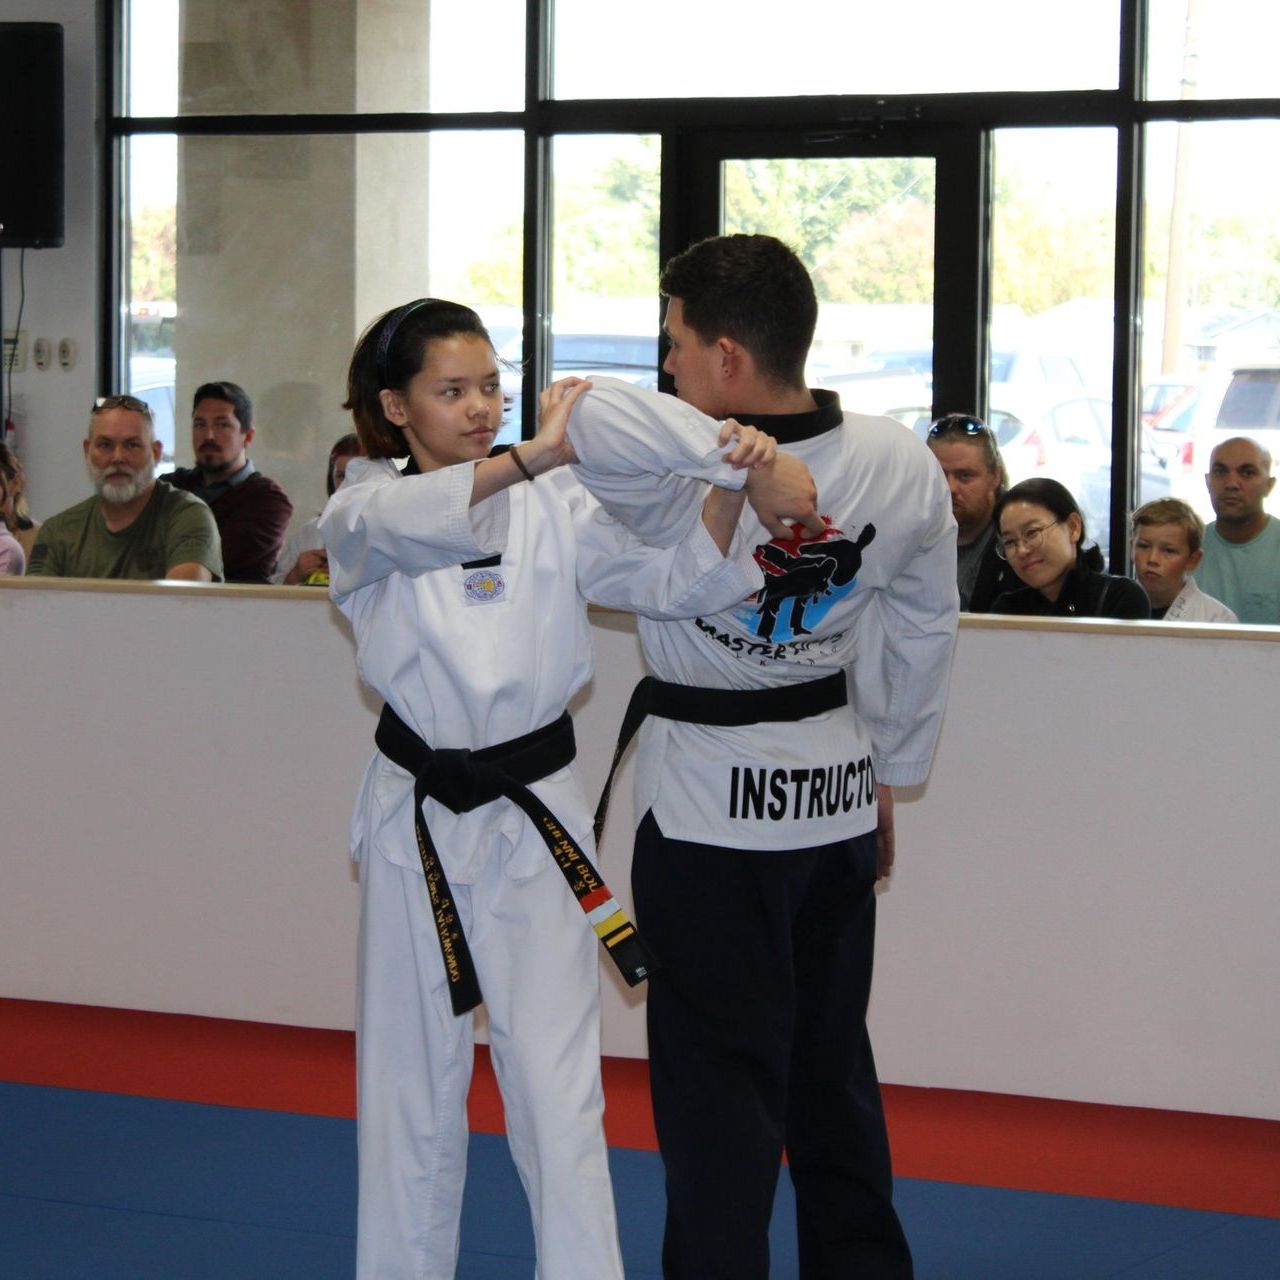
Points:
(1040, 532)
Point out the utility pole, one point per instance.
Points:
(1176, 295)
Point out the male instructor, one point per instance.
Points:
(765, 824)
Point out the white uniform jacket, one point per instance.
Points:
(875, 597)
(470, 622)
(1193, 605)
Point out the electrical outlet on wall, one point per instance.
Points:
(15, 351)
(67, 353)
(40, 355)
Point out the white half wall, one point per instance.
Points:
(1084, 907)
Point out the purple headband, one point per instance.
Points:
(389, 327)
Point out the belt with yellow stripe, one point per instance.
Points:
(463, 780)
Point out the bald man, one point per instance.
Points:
(1241, 564)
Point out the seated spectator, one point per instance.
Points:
(252, 511)
(304, 560)
(13, 560)
(134, 526)
(1241, 565)
(1040, 532)
(969, 455)
(13, 501)
(1167, 537)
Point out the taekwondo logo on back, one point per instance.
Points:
(803, 578)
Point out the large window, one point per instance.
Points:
(1057, 216)
(700, 49)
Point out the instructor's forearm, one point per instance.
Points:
(720, 514)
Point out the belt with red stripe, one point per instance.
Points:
(463, 780)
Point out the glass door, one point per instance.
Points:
(894, 250)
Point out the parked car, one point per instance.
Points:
(1168, 412)
(1042, 432)
(1166, 398)
(1251, 406)
(1020, 366)
(878, 391)
(1242, 402)
(631, 357)
(151, 378)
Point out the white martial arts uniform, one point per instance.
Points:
(756, 1012)
(470, 657)
(881, 604)
(1193, 605)
(306, 537)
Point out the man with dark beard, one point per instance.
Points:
(132, 527)
(252, 511)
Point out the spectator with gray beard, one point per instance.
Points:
(133, 526)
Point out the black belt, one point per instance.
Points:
(726, 707)
(463, 780)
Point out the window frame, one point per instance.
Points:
(957, 128)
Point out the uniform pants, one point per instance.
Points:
(758, 1042)
(536, 959)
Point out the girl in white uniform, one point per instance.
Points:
(465, 584)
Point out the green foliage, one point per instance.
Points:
(606, 225)
(153, 255)
(863, 227)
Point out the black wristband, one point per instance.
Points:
(519, 461)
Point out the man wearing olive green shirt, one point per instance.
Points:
(134, 526)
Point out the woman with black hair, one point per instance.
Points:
(1040, 531)
(465, 583)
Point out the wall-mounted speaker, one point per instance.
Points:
(31, 135)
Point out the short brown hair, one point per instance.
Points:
(753, 289)
(1170, 511)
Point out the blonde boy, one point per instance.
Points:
(1167, 546)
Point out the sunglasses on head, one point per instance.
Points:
(104, 404)
(958, 424)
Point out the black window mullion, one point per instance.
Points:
(961, 286)
(110, 101)
(535, 279)
(1128, 284)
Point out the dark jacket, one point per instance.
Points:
(995, 577)
(1086, 593)
(252, 518)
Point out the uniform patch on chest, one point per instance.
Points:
(484, 586)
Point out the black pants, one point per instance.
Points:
(758, 1042)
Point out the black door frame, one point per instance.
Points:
(691, 195)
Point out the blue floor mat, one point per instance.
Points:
(105, 1187)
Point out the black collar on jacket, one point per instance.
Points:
(789, 428)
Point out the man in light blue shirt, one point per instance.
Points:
(1241, 565)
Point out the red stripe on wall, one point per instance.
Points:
(1222, 1163)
